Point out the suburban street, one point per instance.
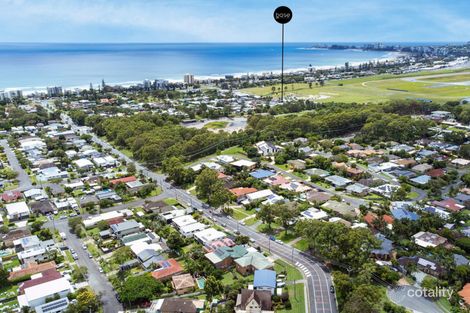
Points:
(320, 299)
(97, 280)
(23, 179)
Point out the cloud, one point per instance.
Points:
(231, 21)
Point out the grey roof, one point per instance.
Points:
(460, 260)
(124, 226)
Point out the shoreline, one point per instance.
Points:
(390, 56)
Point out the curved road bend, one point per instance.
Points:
(320, 299)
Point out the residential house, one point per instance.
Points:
(400, 214)
(252, 261)
(266, 148)
(341, 208)
(209, 235)
(167, 269)
(465, 294)
(385, 252)
(358, 189)
(39, 294)
(223, 257)
(265, 280)
(297, 164)
(449, 205)
(177, 305)
(338, 181)
(427, 239)
(262, 174)
(126, 228)
(460, 163)
(183, 283)
(318, 197)
(241, 192)
(313, 214)
(43, 207)
(17, 210)
(244, 164)
(30, 269)
(11, 196)
(254, 301)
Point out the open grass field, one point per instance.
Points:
(380, 88)
(216, 124)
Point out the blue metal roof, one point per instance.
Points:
(403, 213)
(260, 174)
(264, 278)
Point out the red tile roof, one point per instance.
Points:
(241, 191)
(371, 217)
(449, 204)
(32, 268)
(124, 180)
(47, 275)
(437, 172)
(465, 293)
(11, 196)
(167, 269)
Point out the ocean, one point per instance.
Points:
(30, 66)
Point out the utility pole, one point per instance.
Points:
(282, 15)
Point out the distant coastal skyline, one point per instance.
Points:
(124, 21)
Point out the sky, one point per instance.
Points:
(233, 21)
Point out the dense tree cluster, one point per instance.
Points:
(153, 138)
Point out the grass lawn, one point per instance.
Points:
(77, 193)
(230, 277)
(412, 195)
(68, 257)
(444, 304)
(302, 245)
(241, 213)
(157, 191)
(284, 167)
(171, 201)
(93, 249)
(216, 124)
(297, 299)
(233, 150)
(251, 221)
(379, 88)
(11, 264)
(286, 237)
(292, 272)
(263, 228)
(93, 231)
(127, 152)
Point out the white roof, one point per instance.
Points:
(184, 220)
(142, 245)
(209, 235)
(93, 220)
(47, 289)
(17, 208)
(193, 227)
(261, 194)
(242, 163)
(461, 162)
(83, 163)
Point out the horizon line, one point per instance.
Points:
(231, 42)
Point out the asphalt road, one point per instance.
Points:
(98, 281)
(23, 179)
(402, 297)
(320, 300)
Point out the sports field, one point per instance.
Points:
(438, 86)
